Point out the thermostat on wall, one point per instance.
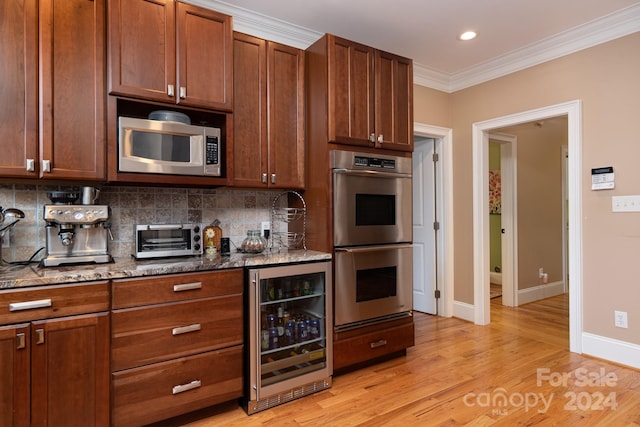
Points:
(602, 178)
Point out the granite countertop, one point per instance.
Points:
(34, 275)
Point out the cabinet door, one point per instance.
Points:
(285, 98)
(72, 104)
(351, 92)
(142, 49)
(249, 111)
(14, 375)
(18, 87)
(70, 371)
(204, 53)
(394, 102)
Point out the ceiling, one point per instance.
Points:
(512, 34)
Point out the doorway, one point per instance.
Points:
(480, 142)
(508, 216)
(440, 191)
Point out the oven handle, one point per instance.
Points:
(374, 248)
(372, 174)
(165, 227)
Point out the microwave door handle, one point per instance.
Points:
(372, 174)
(165, 227)
(374, 248)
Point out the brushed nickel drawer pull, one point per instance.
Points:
(21, 342)
(186, 329)
(29, 305)
(187, 286)
(379, 343)
(39, 336)
(186, 387)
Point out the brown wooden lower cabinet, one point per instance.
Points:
(358, 346)
(176, 344)
(163, 390)
(54, 370)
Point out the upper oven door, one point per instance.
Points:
(371, 207)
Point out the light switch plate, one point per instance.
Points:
(625, 204)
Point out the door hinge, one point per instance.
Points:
(437, 293)
(435, 157)
(436, 225)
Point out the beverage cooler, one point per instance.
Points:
(289, 322)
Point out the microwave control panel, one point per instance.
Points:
(212, 155)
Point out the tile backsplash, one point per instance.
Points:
(237, 210)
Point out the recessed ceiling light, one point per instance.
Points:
(467, 35)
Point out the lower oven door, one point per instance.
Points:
(372, 283)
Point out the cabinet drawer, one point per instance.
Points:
(175, 287)
(372, 345)
(145, 335)
(23, 305)
(163, 390)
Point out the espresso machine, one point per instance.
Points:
(76, 233)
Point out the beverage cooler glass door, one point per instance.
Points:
(290, 345)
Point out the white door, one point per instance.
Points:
(424, 234)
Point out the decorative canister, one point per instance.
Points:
(254, 243)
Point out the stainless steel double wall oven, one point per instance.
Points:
(372, 237)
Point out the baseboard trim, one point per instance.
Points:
(610, 349)
(464, 311)
(540, 292)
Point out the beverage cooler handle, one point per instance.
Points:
(257, 336)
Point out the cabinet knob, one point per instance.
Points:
(372, 137)
(273, 178)
(183, 92)
(170, 90)
(39, 336)
(46, 166)
(264, 178)
(20, 341)
(31, 165)
(380, 139)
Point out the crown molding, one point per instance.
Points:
(610, 27)
(263, 26)
(618, 24)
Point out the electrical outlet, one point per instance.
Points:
(621, 319)
(265, 228)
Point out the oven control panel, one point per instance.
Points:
(374, 162)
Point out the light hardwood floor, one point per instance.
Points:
(457, 373)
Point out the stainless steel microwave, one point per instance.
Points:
(168, 147)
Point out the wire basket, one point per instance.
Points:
(295, 217)
(288, 214)
(288, 239)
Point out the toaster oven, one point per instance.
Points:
(167, 240)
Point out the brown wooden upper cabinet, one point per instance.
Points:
(55, 130)
(268, 114)
(370, 93)
(172, 52)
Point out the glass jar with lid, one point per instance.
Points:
(254, 243)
